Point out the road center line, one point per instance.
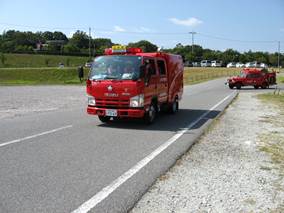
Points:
(34, 136)
(106, 191)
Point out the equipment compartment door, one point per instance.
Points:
(162, 81)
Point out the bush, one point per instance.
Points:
(3, 58)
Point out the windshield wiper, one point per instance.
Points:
(111, 77)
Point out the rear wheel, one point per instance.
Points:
(151, 114)
(104, 119)
(264, 86)
(174, 107)
(255, 86)
(272, 80)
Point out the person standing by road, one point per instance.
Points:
(80, 73)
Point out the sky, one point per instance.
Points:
(243, 25)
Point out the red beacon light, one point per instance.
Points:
(108, 51)
(134, 50)
(122, 50)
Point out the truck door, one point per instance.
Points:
(249, 80)
(162, 81)
(151, 78)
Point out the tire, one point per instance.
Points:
(231, 86)
(150, 116)
(255, 86)
(104, 119)
(174, 107)
(239, 86)
(264, 86)
(272, 80)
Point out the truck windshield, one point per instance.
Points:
(116, 67)
(242, 74)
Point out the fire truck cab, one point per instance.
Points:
(127, 83)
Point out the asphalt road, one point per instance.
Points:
(56, 158)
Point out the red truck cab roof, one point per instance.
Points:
(122, 50)
(254, 70)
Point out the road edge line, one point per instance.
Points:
(107, 190)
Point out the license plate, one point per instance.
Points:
(111, 112)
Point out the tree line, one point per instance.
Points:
(56, 42)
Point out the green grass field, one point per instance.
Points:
(39, 76)
(27, 69)
(30, 60)
(194, 75)
(68, 75)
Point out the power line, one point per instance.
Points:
(235, 40)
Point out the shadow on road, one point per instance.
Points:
(166, 122)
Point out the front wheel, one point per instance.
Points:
(174, 107)
(104, 119)
(255, 86)
(231, 86)
(150, 115)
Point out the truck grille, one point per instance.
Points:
(112, 103)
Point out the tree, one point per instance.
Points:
(146, 46)
(80, 39)
(70, 48)
(59, 36)
(230, 55)
(100, 44)
(47, 35)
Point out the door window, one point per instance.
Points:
(151, 67)
(161, 67)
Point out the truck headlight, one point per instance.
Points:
(137, 101)
(91, 101)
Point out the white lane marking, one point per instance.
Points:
(34, 136)
(106, 191)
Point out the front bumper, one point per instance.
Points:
(121, 113)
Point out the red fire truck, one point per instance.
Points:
(253, 77)
(127, 83)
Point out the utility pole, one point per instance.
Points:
(89, 42)
(279, 56)
(192, 40)
(94, 52)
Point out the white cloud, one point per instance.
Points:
(190, 22)
(119, 29)
(141, 30)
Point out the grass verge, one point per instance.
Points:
(68, 75)
(32, 60)
(38, 76)
(194, 75)
(272, 142)
(280, 79)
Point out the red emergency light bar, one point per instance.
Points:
(131, 50)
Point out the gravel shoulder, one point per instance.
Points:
(228, 169)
